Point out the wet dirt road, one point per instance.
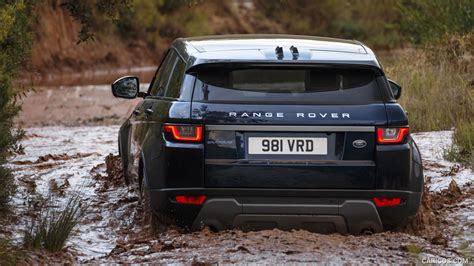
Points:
(61, 160)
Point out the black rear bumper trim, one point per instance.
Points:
(352, 216)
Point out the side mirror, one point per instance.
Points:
(126, 87)
(395, 88)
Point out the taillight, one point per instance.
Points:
(186, 133)
(392, 135)
(385, 202)
(196, 200)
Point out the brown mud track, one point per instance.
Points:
(424, 234)
(53, 157)
(112, 228)
(429, 221)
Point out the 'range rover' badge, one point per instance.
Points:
(359, 143)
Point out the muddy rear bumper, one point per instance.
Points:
(353, 216)
(325, 211)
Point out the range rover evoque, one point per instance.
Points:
(270, 131)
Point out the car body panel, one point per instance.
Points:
(220, 166)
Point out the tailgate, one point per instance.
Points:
(286, 151)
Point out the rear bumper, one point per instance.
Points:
(353, 216)
(326, 211)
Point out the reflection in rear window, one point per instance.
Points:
(293, 86)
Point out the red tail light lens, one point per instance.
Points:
(186, 133)
(392, 135)
(385, 202)
(196, 200)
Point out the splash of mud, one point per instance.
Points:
(429, 222)
(113, 170)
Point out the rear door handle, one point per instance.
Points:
(136, 112)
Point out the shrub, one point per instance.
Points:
(53, 226)
(427, 21)
(14, 48)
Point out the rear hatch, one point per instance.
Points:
(288, 127)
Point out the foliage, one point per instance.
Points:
(14, 48)
(90, 12)
(152, 20)
(436, 89)
(430, 20)
(379, 23)
(368, 20)
(53, 226)
(141, 21)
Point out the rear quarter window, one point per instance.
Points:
(287, 85)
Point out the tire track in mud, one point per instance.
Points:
(112, 228)
(424, 236)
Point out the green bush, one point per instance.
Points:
(152, 20)
(426, 21)
(378, 23)
(371, 21)
(193, 22)
(14, 48)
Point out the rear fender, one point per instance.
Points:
(150, 156)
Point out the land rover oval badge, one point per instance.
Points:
(359, 143)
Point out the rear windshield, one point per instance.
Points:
(292, 86)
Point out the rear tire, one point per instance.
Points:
(158, 222)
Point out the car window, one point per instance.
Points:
(163, 75)
(289, 85)
(174, 85)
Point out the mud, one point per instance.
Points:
(112, 228)
(113, 172)
(429, 222)
(53, 157)
(74, 106)
(272, 246)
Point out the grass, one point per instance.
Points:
(9, 254)
(438, 91)
(53, 226)
(463, 145)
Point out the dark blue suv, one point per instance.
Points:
(271, 131)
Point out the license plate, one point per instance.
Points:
(285, 145)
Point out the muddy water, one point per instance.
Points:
(61, 160)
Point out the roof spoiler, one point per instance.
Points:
(283, 64)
